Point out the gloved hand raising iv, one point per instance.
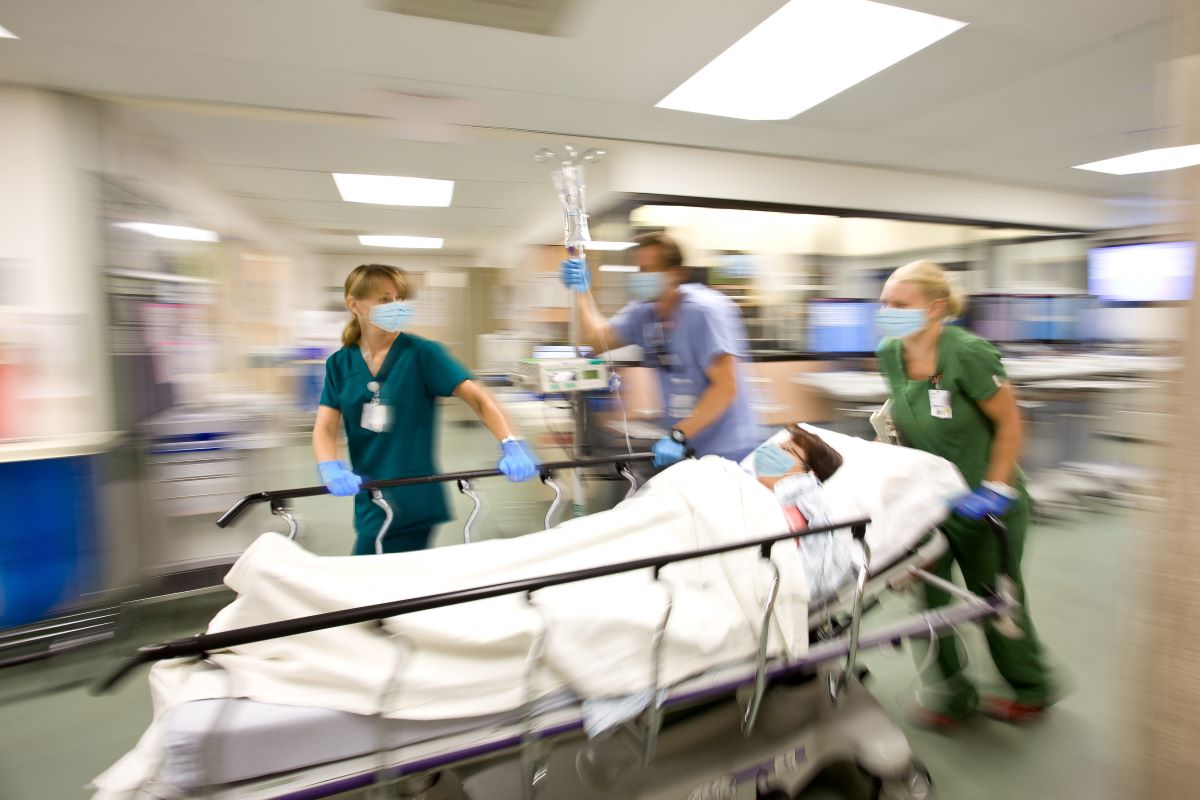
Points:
(575, 274)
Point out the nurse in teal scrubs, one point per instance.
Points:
(382, 386)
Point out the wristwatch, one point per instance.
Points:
(677, 436)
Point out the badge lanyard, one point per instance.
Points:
(376, 416)
(939, 399)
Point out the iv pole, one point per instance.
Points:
(568, 180)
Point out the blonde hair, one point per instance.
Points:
(934, 284)
(361, 283)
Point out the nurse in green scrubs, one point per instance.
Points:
(382, 386)
(951, 397)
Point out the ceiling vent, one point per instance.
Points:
(528, 16)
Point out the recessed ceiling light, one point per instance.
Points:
(1160, 160)
(402, 242)
(5, 33)
(805, 53)
(179, 232)
(394, 190)
(620, 268)
(608, 246)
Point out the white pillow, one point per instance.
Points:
(905, 492)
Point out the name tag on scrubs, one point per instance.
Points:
(376, 417)
(939, 404)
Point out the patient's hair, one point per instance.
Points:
(823, 460)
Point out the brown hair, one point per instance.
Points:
(359, 285)
(671, 253)
(822, 459)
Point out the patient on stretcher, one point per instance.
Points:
(794, 464)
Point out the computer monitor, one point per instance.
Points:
(842, 327)
(1146, 273)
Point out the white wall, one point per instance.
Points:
(55, 323)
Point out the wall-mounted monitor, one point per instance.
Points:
(842, 326)
(1142, 273)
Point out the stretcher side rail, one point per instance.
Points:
(203, 644)
(276, 497)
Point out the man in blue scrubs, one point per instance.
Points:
(693, 336)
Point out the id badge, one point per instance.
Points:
(939, 404)
(376, 416)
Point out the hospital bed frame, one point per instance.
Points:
(810, 723)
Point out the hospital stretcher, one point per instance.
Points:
(759, 729)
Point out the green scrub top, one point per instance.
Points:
(969, 368)
(414, 373)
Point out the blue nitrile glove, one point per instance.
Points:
(575, 274)
(993, 499)
(338, 478)
(667, 451)
(517, 461)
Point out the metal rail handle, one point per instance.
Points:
(548, 479)
(241, 505)
(466, 488)
(203, 643)
(750, 719)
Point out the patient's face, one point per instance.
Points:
(799, 465)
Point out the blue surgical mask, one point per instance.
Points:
(771, 461)
(896, 323)
(391, 317)
(647, 285)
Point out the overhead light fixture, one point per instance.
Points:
(178, 232)
(620, 268)
(1160, 160)
(608, 246)
(393, 190)
(805, 53)
(5, 33)
(402, 242)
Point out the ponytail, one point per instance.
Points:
(352, 333)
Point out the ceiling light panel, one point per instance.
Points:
(394, 190)
(608, 246)
(402, 242)
(1160, 160)
(178, 232)
(805, 53)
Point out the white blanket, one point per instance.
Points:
(470, 659)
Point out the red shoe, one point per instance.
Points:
(1005, 710)
(936, 721)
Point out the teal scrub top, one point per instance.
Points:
(415, 372)
(970, 369)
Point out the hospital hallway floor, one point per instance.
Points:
(55, 736)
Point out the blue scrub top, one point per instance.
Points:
(413, 375)
(706, 324)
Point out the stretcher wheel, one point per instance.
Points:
(916, 785)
